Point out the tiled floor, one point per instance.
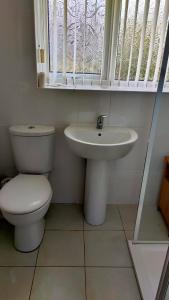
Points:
(152, 226)
(76, 261)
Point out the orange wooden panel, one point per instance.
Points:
(164, 194)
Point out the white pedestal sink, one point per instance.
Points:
(98, 146)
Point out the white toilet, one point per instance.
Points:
(25, 199)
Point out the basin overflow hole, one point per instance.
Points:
(99, 134)
(31, 127)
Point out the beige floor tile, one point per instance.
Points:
(53, 283)
(111, 284)
(128, 214)
(62, 248)
(112, 222)
(152, 226)
(108, 249)
(129, 234)
(9, 256)
(65, 216)
(15, 283)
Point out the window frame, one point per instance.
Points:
(111, 25)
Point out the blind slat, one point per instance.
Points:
(161, 44)
(94, 23)
(55, 45)
(123, 37)
(153, 30)
(75, 41)
(141, 48)
(84, 38)
(65, 39)
(132, 40)
(116, 22)
(108, 30)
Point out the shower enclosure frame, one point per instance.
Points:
(151, 140)
(163, 278)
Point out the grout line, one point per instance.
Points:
(124, 229)
(126, 240)
(33, 274)
(103, 230)
(76, 230)
(110, 267)
(82, 266)
(36, 263)
(14, 266)
(84, 259)
(69, 230)
(121, 218)
(125, 232)
(135, 274)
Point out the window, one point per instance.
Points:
(100, 44)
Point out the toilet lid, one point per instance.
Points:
(25, 193)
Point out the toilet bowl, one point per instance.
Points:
(25, 199)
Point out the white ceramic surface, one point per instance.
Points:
(25, 199)
(28, 193)
(40, 139)
(106, 144)
(98, 146)
(96, 191)
(29, 228)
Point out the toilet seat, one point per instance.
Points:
(25, 193)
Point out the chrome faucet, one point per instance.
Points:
(100, 121)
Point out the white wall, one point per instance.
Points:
(21, 102)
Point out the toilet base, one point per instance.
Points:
(29, 237)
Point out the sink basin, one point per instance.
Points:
(106, 144)
(98, 146)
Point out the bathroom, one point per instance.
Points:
(63, 272)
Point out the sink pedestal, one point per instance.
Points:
(96, 191)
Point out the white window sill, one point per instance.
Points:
(85, 84)
(105, 89)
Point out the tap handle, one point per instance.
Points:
(102, 116)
